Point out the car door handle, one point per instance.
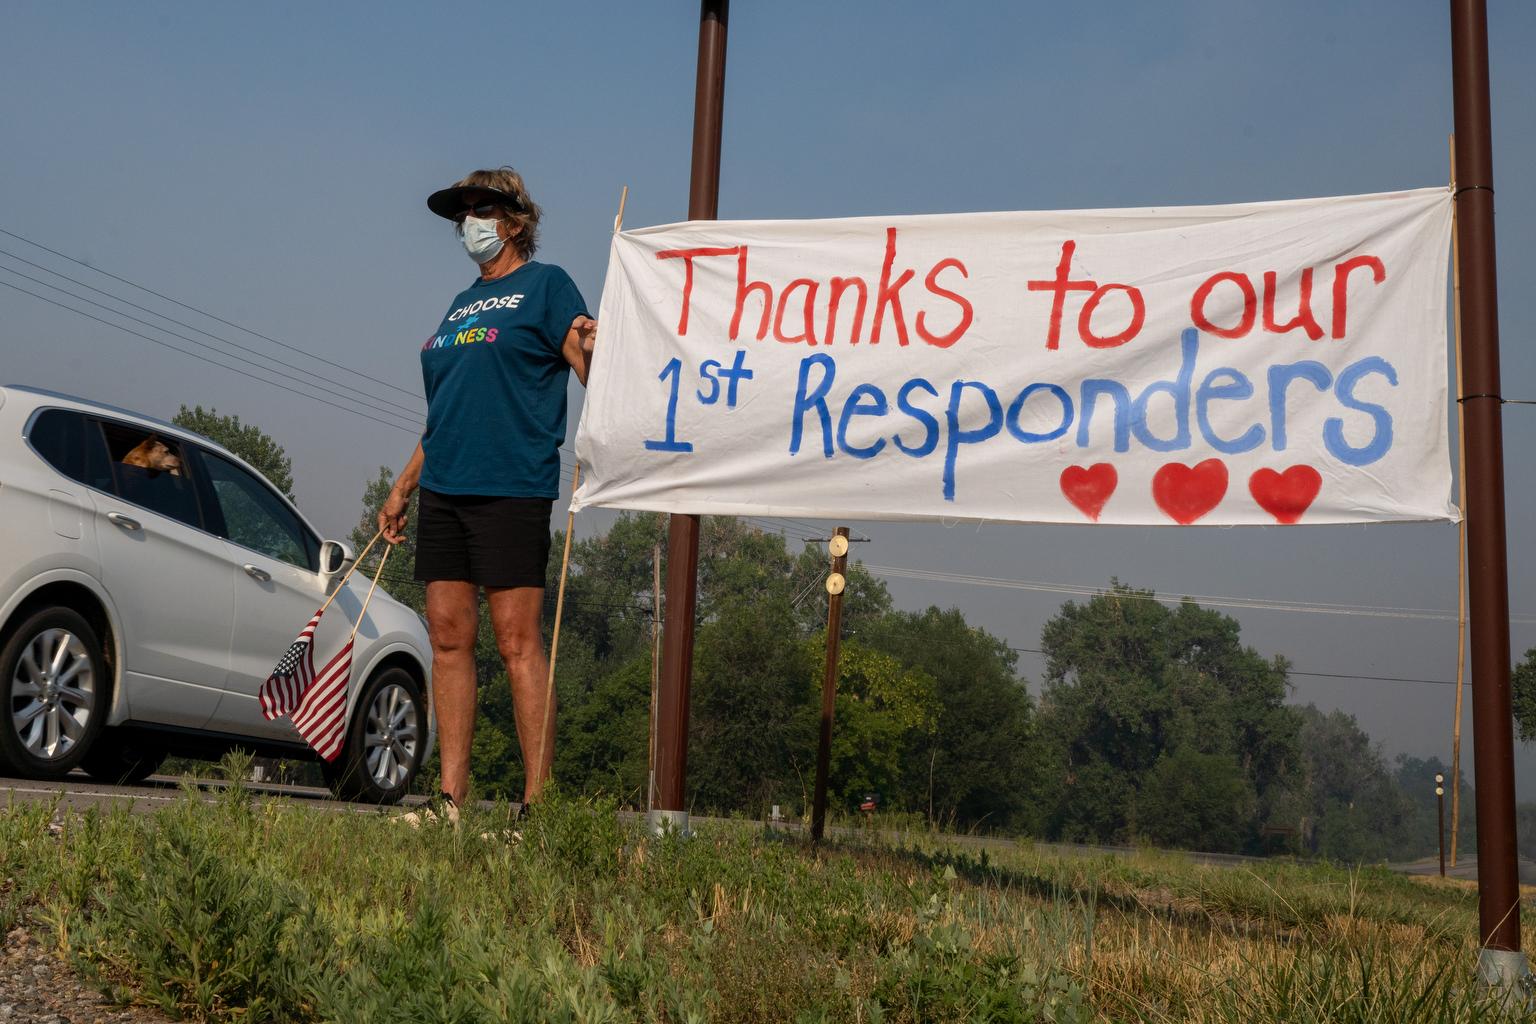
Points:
(257, 573)
(126, 522)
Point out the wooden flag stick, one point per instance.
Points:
(376, 574)
(554, 640)
(1461, 530)
(565, 562)
(348, 575)
(650, 757)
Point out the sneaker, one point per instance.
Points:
(510, 836)
(438, 809)
(514, 834)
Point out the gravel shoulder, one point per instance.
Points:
(36, 987)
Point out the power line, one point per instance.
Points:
(769, 526)
(805, 591)
(415, 428)
(1085, 590)
(1378, 679)
(1289, 671)
(194, 355)
(203, 312)
(571, 456)
(418, 425)
(180, 323)
(799, 524)
(1316, 675)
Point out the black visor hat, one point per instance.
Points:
(451, 202)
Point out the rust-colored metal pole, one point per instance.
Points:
(835, 584)
(1500, 962)
(1461, 539)
(683, 531)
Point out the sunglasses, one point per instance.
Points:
(479, 210)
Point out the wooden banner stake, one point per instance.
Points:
(565, 562)
(554, 640)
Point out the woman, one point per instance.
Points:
(488, 465)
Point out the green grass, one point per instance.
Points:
(247, 909)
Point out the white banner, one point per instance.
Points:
(1253, 364)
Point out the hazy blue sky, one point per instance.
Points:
(268, 163)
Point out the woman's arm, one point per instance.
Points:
(392, 512)
(579, 342)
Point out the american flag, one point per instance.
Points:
(316, 701)
(322, 715)
(292, 674)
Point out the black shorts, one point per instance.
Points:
(491, 542)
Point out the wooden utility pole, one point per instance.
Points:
(837, 582)
(1501, 964)
(671, 717)
(1440, 817)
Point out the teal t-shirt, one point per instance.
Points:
(495, 379)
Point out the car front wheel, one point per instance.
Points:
(385, 741)
(54, 682)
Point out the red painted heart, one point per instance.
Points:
(1285, 495)
(1089, 488)
(1185, 493)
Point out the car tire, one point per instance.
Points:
(386, 741)
(123, 758)
(54, 694)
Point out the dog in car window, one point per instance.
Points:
(154, 454)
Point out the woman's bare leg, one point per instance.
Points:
(453, 618)
(515, 615)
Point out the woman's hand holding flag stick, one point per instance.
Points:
(316, 701)
(321, 717)
(348, 575)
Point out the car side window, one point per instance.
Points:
(148, 469)
(71, 443)
(255, 517)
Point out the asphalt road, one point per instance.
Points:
(79, 792)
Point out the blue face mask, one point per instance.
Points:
(480, 239)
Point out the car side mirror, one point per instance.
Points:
(334, 556)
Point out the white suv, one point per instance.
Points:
(149, 580)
